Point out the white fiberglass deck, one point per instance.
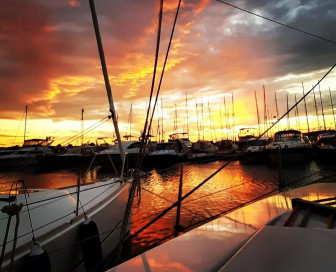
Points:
(211, 246)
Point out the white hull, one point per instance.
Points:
(104, 203)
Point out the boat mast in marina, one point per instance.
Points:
(106, 78)
(198, 125)
(258, 116)
(24, 134)
(305, 104)
(233, 120)
(332, 107)
(226, 120)
(265, 111)
(288, 121)
(82, 119)
(297, 114)
(316, 111)
(277, 109)
(324, 123)
(187, 114)
(162, 121)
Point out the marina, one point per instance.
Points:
(142, 145)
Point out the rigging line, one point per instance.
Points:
(18, 128)
(279, 23)
(73, 138)
(82, 134)
(165, 62)
(79, 133)
(64, 216)
(136, 181)
(302, 98)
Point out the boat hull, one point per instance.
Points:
(60, 239)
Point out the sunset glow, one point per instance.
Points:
(49, 61)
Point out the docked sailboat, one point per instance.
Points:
(70, 229)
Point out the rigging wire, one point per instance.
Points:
(165, 62)
(228, 162)
(18, 128)
(90, 128)
(279, 23)
(135, 186)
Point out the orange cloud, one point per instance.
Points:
(74, 3)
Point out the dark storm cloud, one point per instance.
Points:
(296, 52)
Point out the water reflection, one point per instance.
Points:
(235, 185)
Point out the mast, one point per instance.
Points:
(265, 111)
(82, 127)
(304, 99)
(106, 77)
(288, 121)
(175, 121)
(198, 127)
(258, 116)
(316, 110)
(324, 123)
(226, 120)
(24, 134)
(202, 120)
(233, 119)
(297, 114)
(162, 120)
(187, 115)
(221, 123)
(332, 107)
(277, 109)
(131, 115)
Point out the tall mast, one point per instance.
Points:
(131, 115)
(297, 114)
(221, 123)
(258, 116)
(324, 123)
(82, 126)
(198, 127)
(304, 99)
(24, 134)
(265, 112)
(316, 110)
(187, 115)
(332, 107)
(162, 120)
(233, 119)
(288, 121)
(226, 120)
(202, 120)
(175, 121)
(277, 109)
(106, 77)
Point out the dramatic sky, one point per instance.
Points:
(49, 61)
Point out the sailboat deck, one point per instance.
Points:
(211, 246)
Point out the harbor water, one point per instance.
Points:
(236, 185)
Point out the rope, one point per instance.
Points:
(136, 182)
(279, 23)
